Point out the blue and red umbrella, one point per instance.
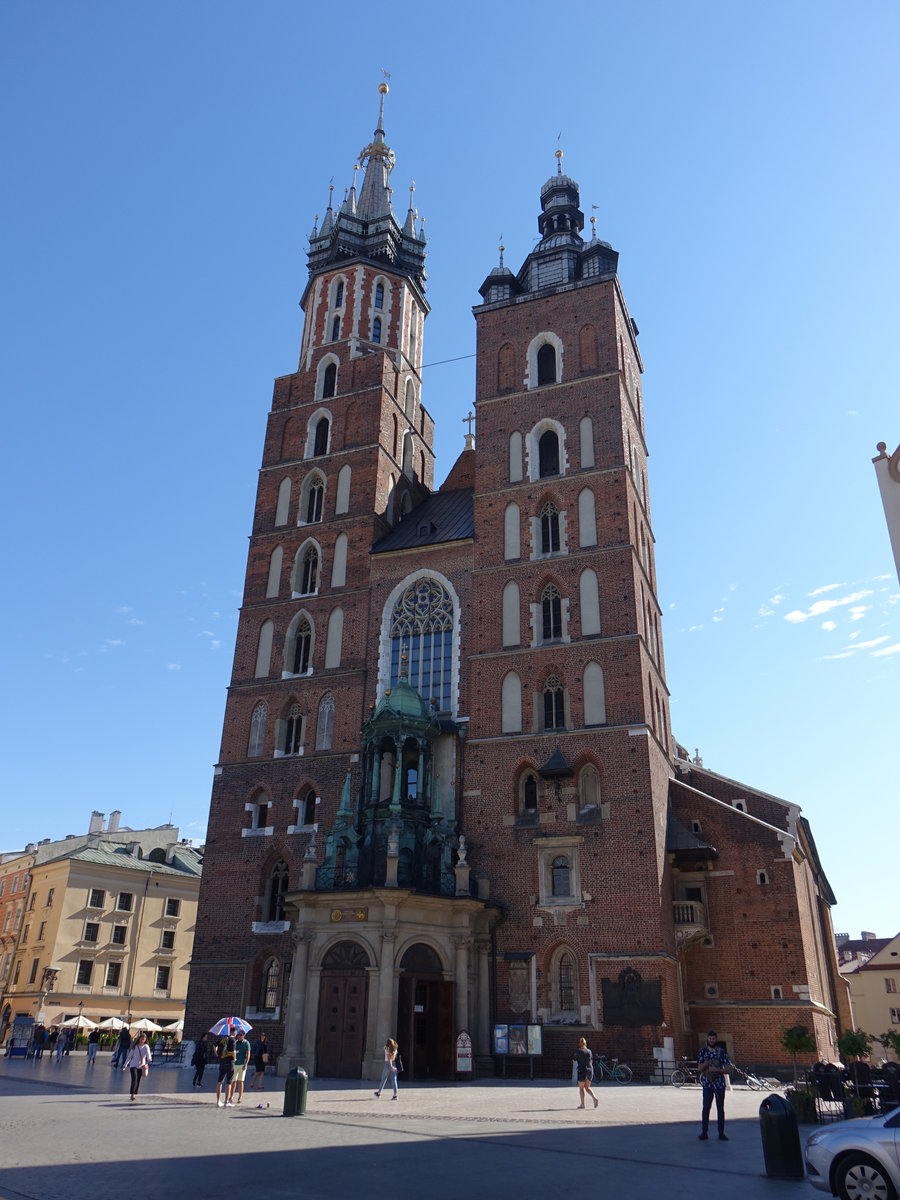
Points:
(230, 1025)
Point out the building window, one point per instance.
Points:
(329, 384)
(91, 931)
(173, 907)
(125, 902)
(376, 330)
(895, 1016)
(97, 898)
(34, 967)
(162, 979)
(113, 974)
(293, 739)
(589, 787)
(41, 928)
(530, 797)
(548, 454)
(566, 982)
(561, 884)
(50, 895)
(32, 901)
(314, 499)
(379, 295)
(551, 613)
(546, 364)
(25, 932)
(257, 730)
(15, 886)
(309, 573)
(323, 427)
(119, 934)
(422, 626)
(761, 877)
(168, 939)
(890, 985)
(2, 886)
(268, 1000)
(325, 725)
(777, 993)
(554, 715)
(85, 970)
(303, 642)
(549, 529)
(275, 892)
(307, 808)
(335, 329)
(339, 294)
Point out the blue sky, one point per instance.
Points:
(163, 165)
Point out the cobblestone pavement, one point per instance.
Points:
(69, 1131)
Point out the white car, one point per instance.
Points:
(857, 1160)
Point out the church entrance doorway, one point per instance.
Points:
(343, 996)
(425, 1016)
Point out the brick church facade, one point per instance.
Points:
(448, 796)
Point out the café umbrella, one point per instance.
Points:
(229, 1025)
(145, 1025)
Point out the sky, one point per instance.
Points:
(163, 166)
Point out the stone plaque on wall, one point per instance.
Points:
(631, 1000)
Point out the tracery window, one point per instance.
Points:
(554, 716)
(549, 528)
(422, 626)
(551, 611)
(302, 647)
(561, 879)
(293, 734)
(566, 982)
(277, 886)
(325, 726)
(316, 490)
(257, 730)
(310, 574)
(268, 1000)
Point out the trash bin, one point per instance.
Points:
(780, 1139)
(295, 1092)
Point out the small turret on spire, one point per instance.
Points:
(349, 205)
(328, 222)
(315, 228)
(422, 231)
(409, 227)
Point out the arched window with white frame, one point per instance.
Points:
(312, 499)
(551, 614)
(257, 730)
(544, 360)
(325, 722)
(342, 497)
(334, 639)
(305, 573)
(554, 704)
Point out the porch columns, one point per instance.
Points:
(481, 1034)
(296, 1005)
(461, 943)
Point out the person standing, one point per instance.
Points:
(259, 1056)
(93, 1043)
(62, 1043)
(138, 1062)
(198, 1062)
(712, 1067)
(241, 1059)
(584, 1072)
(225, 1055)
(390, 1068)
(40, 1040)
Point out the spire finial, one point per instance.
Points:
(502, 248)
(559, 158)
(470, 437)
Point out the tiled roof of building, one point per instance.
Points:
(107, 857)
(443, 517)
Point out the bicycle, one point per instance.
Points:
(618, 1072)
(755, 1082)
(686, 1072)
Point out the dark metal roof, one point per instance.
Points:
(443, 517)
(681, 839)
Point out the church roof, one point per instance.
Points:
(443, 517)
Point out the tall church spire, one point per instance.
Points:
(378, 160)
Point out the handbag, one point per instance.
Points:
(264, 1057)
(398, 1062)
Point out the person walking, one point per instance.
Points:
(40, 1040)
(123, 1045)
(584, 1072)
(225, 1055)
(390, 1068)
(199, 1060)
(62, 1043)
(712, 1067)
(93, 1043)
(138, 1062)
(259, 1056)
(241, 1059)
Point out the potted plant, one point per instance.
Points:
(797, 1040)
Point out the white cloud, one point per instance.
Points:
(135, 621)
(693, 628)
(895, 649)
(123, 611)
(776, 599)
(765, 612)
(173, 666)
(717, 615)
(111, 644)
(874, 642)
(858, 612)
(830, 657)
(828, 587)
(797, 617)
(829, 625)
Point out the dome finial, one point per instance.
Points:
(559, 158)
(502, 248)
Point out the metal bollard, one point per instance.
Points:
(295, 1087)
(780, 1139)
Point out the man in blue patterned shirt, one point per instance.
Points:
(712, 1067)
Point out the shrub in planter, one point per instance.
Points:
(803, 1104)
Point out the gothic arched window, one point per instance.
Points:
(302, 648)
(549, 528)
(320, 446)
(422, 625)
(379, 295)
(268, 993)
(565, 982)
(548, 453)
(325, 726)
(257, 730)
(329, 382)
(339, 294)
(310, 575)
(376, 330)
(546, 364)
(308, 808)
(275, 889)
(316, 494)
(335, 329)
(554, 714)
(293, 730)
(551, 612)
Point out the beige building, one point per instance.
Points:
(875, 989)
(108, 924)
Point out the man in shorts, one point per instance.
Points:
(241, 1059)
(225, 1053)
